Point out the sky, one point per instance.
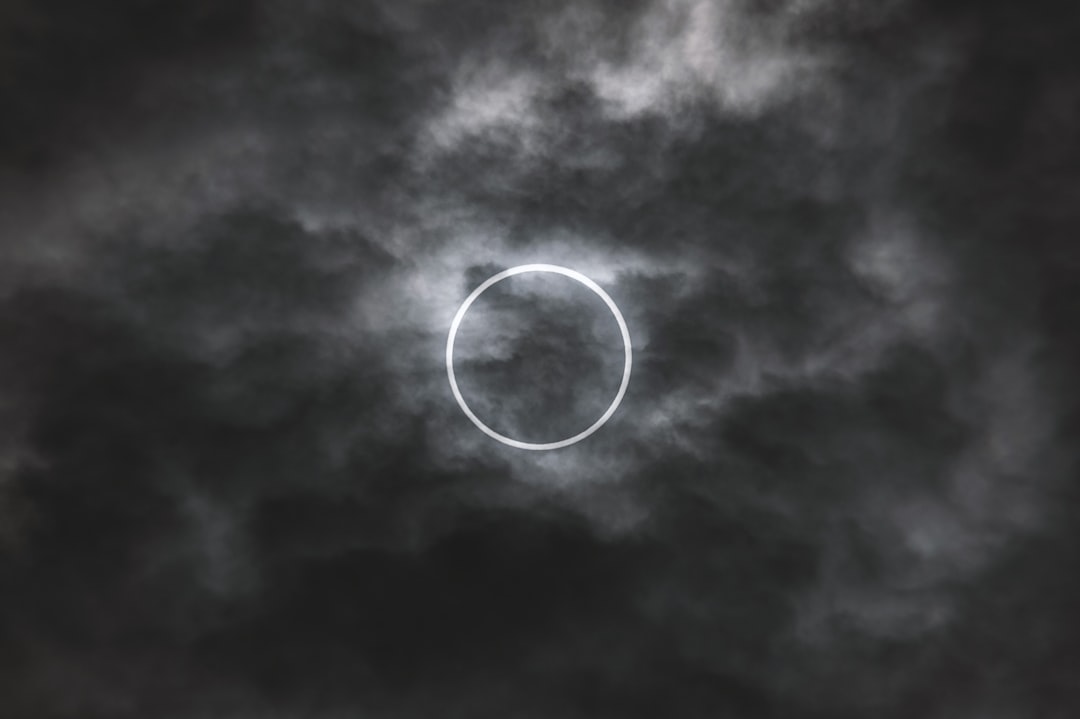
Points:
(234, 482)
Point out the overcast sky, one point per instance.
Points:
(234, 482)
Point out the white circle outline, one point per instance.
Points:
(554, 269)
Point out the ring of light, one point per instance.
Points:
(554, 269)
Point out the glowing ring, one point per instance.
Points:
(565, 272)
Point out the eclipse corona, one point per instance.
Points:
(552, 269)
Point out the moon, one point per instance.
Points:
(557, 270)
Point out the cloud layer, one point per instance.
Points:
(234, 482)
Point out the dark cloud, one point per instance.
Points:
(70, 68)
(233, 479)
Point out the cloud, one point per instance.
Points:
(234, 482)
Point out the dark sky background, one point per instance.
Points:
(843, 483)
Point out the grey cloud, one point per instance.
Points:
(233, 481)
